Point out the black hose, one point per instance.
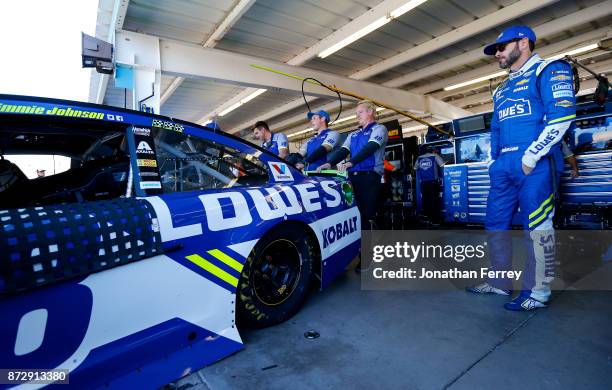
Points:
(323, 85)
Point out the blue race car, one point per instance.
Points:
(132, 266)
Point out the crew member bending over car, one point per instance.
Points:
(533, 108)
(275, 143)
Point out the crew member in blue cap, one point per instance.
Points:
(314, 151)
(533, 108)
(276, 143)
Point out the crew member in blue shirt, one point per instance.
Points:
(533, 108)
(275, 143)
(427, 168)
(365, 166)
(314, 151)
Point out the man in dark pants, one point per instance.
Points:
(365, 166)
(428, 173)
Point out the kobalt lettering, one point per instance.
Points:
(338, 231)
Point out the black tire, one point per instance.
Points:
(276, 277)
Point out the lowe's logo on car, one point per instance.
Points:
(144, 148)
(512, 108)
(280, 171)
(269, 205)
(338, 231)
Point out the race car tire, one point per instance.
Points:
(276, 277)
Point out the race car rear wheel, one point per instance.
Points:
(275, 278)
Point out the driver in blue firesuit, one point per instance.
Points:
(533, 108)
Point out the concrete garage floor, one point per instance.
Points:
(424, 340)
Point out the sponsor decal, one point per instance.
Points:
(562, 86)
(146, 163)
(560, 72)
(509, 149)
(149, 174)
(527, 74)
(551, 136)
(327, 193)
(141, 131)
(512, 108)
(560, 94)
(523, 81)
(149, 184)
(560, 78)
(167, 125)
(564, 103)
(523, 88)
(425, 163)
(144, 148)
(280, 171)
(55, 110)
(338, 231)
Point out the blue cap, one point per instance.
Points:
(321, 113)
(514, 32)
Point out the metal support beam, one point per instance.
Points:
(232, 17)
(141, 53)
(492, 20)
(116, 24)
(547, 29)
(272, 113)
(181, 59)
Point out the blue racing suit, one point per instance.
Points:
(326, 138)
(533, 108)
(277, 142)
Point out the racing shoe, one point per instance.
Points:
(524, 303)
(486, 288)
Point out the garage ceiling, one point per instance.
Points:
(435, 45)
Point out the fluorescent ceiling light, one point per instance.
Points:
(243, 101)
(396, 13)
(474, 81)
(300, 132)
(574, 52)
(371, 27)
(355, 36)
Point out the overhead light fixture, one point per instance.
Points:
(243, 101)
(371, 27)
(300, 132)
(474, 81)
(573, 52)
